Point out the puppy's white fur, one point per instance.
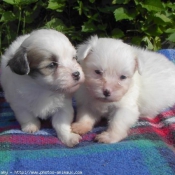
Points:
(38, 81)
(121, 83)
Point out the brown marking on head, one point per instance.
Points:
(19, 63)
(41, 62)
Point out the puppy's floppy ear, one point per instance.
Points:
(138, 65)
(85, 48)
(19, 63)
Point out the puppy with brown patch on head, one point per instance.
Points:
(39, 76)
(122, 83)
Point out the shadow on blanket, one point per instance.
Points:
(147, 151)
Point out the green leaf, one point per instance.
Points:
(136, 40)
(10, 1)
(56, 5)
(148, 42)
(137, 2)
(56, 24)
(170, 30)
(163, 18)
(26, 2)
(20, 2)
(117, 33)
(29, 16)
(156, 32)
(121, 13)
(157, 43)
(95, 17)
(171, 37)
(7, 16)
(80, 7)
(120, 1)
(88, 27)
(170, 5)
(152, 5)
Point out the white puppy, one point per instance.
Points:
(39, 75)
(121, 83)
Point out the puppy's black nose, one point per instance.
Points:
(76, 75)
(106, 93)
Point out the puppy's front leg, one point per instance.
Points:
(119, 125)
(85, 121)
(61, 122)
(28, 122)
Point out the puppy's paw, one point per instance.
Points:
(73, 140)
(104, 137)
(108, 137)
(81, 128)
(31, 127)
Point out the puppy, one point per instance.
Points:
(39, 76)
(122, 83)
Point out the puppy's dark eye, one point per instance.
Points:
(123, 77)
(98, 72)
(74, 58)
(52, 65)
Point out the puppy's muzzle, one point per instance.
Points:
(106, 93)
(76, 75)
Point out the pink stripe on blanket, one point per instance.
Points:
(30, 139)
(39, 140)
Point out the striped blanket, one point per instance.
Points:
(149, 149)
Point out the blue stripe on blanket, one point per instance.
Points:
(169, 53)
(125, 158)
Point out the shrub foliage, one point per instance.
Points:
(147, 23)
